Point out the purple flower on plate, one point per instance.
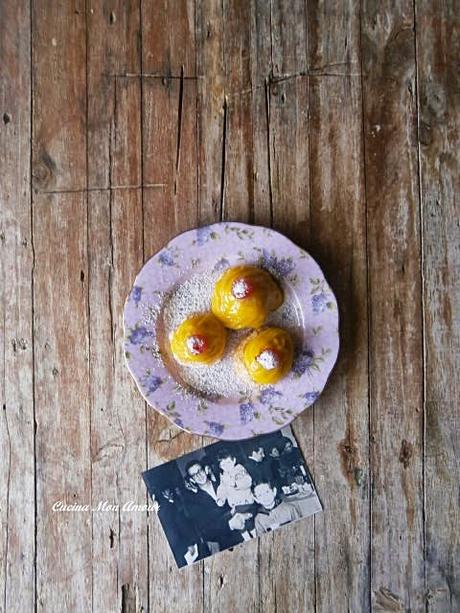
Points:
(178, 421)
(281, 266)
(215, 428)
(221, 265)
(268, 395)
(246, 412)
(303, 362)
(139, 334)
(136, 294)
(152, 383)
(204, 234)
(166, 258)
(319, 302)
(311, 397)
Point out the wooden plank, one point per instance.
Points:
(168, 35)
(17, 481)
(107, 442)
(338, 241)
(62, 412)
(287, 557)
(169, 154)
(247, 66)
(216, 134)
(115, 231)
(289, 157)
(64, 544)
(289, 179)
(169, 161)
(261, 73)
(127, 250)
(289, 38)
(59, 83)
(247, 57)
(239, 188)
(238, 200)
(396, 369)
(118, 428)
(211, 110)
(438, 48)
(113, 50)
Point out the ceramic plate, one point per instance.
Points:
(241, 410)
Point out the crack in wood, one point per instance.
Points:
(167, 77)
(386, 601)
(281, 78)
(179, 128)
(224, 159)
(267, 118)
(128, 599)
(103, 189)
(110, 275)
(7, 506)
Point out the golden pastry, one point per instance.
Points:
(200, 339)
(267, 355)
(244, 296)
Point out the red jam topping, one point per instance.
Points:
(197, 344)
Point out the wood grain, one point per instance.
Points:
(211, 110)
(64, 544)
(395, 325)
(241, 54)
(17, 480)
(61, 374)
(115, 253)
(59, 91)
(125, 123)
(438, 48)
(338, 241)
(113, 31)
(287, 560)
(169, 161)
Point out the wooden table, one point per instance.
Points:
(124, 123)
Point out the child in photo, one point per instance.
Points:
(234, 486)
(272, 513)
(235, 490)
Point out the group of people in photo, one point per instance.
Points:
(231, 492)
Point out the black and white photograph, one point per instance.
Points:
(230, 492)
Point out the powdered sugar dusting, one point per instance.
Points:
(225, 378)
(268, 359)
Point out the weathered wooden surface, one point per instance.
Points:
(124, 123)
(439, 137)
(17, 446)
(394, 294)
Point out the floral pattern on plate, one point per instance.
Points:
(215, 248)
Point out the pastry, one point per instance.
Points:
(200, 339)
(244, 296)
(267, 355)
